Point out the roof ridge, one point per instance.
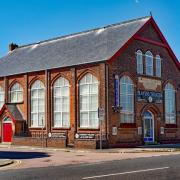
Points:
(82, 32)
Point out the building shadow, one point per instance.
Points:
(22, 155)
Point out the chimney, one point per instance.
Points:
(12, 46)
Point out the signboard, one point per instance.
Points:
(114, 131)
(57, 135)
(149, 96)
(101, 113)
(85, 136)
(116, 91)
(162, 130)
(139, 130)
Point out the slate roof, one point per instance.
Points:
(15, 112)
(85, 47)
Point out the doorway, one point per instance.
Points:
(148, 126)
(7, 130)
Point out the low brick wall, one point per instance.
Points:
(85, 144)
(49, 142)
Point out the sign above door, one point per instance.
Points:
(149, 96)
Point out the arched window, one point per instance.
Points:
(88, 101)
(127, 100)
(37, 104)
(1, 97)
(158, 66)
(170, 107)
(61, 103)
(16, 93)
(149, 63)
(139, 61)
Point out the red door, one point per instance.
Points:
(7, 132)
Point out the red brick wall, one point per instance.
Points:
(73, 75)
(126, 64)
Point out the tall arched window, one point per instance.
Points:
(16, 93)
(88, 101)
(149, 63)
(1, 97)
(139, 61)
(158, 66)
(61, 103)
(127, 100)
(170, 107)
(37, 104)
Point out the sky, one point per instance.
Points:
(28, 21)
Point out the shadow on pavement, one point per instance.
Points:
(22, 155)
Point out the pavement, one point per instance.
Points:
(145, 148)
(38, 157)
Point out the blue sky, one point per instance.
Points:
(27, 21)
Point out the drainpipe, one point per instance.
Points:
(107, 100)
(47, 102)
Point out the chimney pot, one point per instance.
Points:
(12, 46)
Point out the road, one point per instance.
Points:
(160, 167)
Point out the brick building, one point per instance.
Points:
(50, 91)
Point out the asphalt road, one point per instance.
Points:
(160, 167)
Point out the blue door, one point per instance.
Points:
(148, 127)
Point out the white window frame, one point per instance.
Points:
(88, 95)
(139, 62)
(170, 103)
(17, 92)
(158, 66)
(38, 86)
(1, 97)
(149, 63)
(60, 84)
(127, 82)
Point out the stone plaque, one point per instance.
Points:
(114, 131)
(150, 84)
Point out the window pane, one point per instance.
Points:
(94, 88)
(37, 104)
(93, 104)
(84, 119)
(93, 119)
(61, 103)
(65, 118)
(170, 106)
(88, 100)
(126, 100)
(149, 63)
(139, 62)
(57, 120)
(41, 119)
(84, 102)
(84, 89)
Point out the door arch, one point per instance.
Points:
(148, 126)
(7, 130)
